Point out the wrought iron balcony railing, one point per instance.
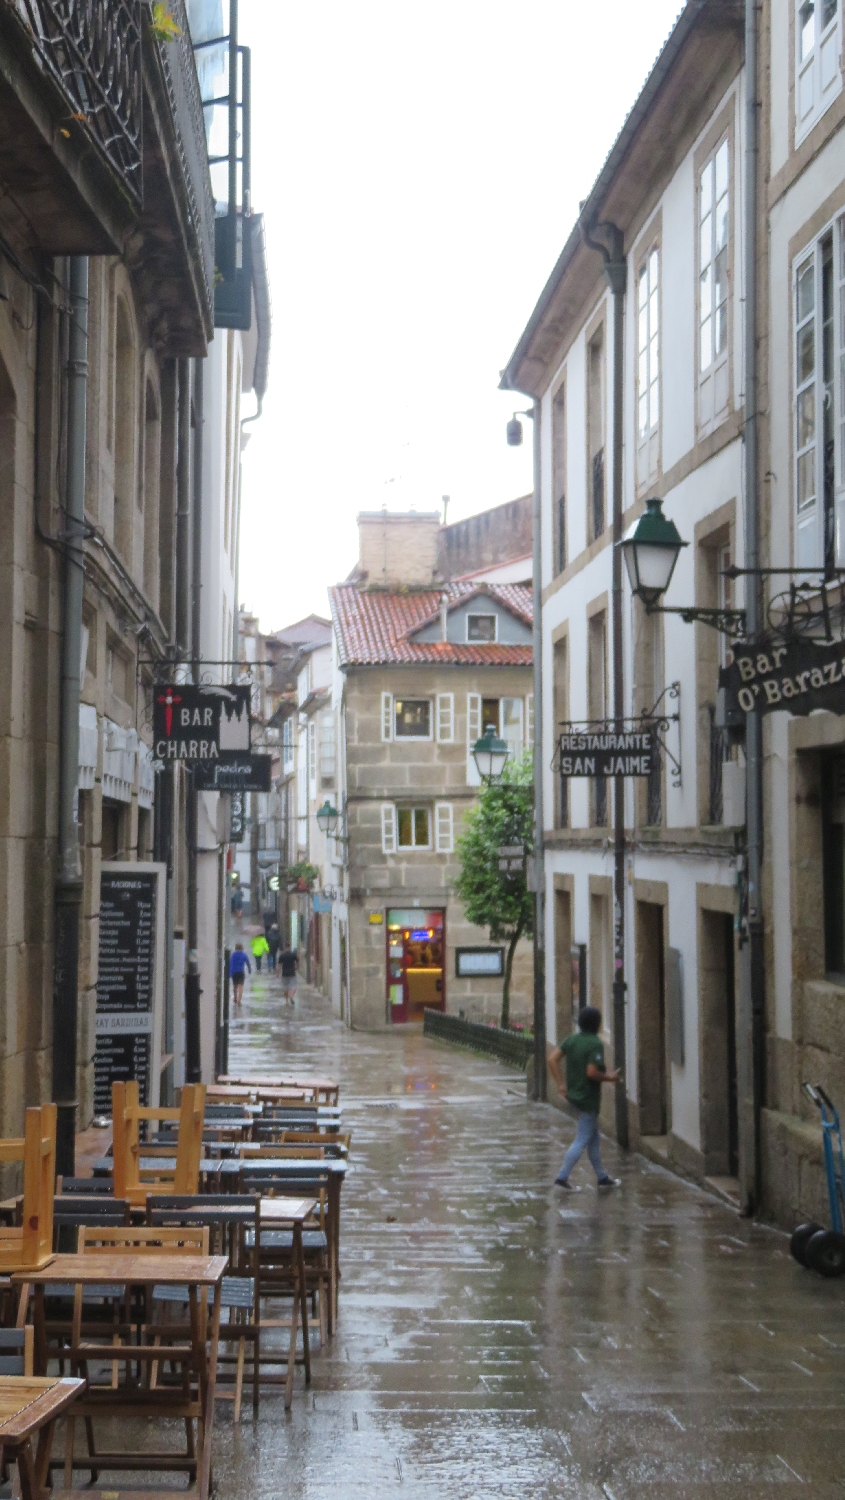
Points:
(92, 50)
(186, 104)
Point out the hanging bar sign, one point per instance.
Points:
(796, 675)
(603, 752)
(198, 723)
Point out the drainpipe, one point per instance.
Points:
(751, 1060)
(615, 270)
(193, 988)
(68, 894)
(540, 1078)
(183, 511)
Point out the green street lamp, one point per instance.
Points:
(490, 755)
(651, 552)
(328, 818)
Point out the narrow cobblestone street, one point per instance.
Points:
(495, 1341)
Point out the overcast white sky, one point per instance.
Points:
(419, 168)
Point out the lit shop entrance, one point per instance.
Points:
(415, 973)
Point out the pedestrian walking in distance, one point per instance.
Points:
(238, 965)
(288, 961)
(274, 940)
(259, 946)
(585, 1074)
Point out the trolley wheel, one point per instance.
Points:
(800, 1239)
(826, 1253)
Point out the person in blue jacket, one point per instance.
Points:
(238, 965)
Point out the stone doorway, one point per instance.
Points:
(651, 1021)
(717, 1002)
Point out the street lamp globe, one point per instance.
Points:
(490, 755)
(651, 552)
(327, 818)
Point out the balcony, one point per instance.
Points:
(172, 256)
(70, 122)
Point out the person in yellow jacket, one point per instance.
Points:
(259, 946)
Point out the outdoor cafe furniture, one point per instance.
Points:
(240, 1222)
(29, 1408)
(227, 1216)
(290, 1175)
(323, 1090)
(30, 1244)
(134, 1181)
(135, 1269)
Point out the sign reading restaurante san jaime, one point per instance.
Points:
(798, 676)
(603, 752)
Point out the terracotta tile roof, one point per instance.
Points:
(373, 626)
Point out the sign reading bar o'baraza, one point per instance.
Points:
(798, 677)
(605, 753)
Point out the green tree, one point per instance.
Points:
(494, 898)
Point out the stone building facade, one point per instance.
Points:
(128, 188)
(673, 192)
(419, 669)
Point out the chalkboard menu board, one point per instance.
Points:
(129, 981)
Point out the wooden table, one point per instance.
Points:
(199, 1273)
(325, 1090)
(28, 1406)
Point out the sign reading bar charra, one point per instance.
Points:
(798, 676)
(605, 753)
(199, 723)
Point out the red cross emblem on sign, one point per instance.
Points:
(168, 699)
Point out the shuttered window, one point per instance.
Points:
(388, 828)
(473, 734)
(387, 716)
(443, 827)
(445, 718)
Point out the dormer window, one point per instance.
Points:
(481, 628)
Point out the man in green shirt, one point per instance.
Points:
(585, 1074)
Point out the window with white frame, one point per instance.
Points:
(559, 479)
(481, 628)
(507, 718)
(648, 365)
(413, 826)
(405, 718)
(819, 445)
(818, 74)
(713, 298)
(287, 746)
(312, 757)
(328, 759)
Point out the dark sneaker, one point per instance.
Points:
(609, 1182)
(566, 1185)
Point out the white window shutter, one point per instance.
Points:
(388, 828)
(387, 716)
(529, 716)
(443, 827)
(445, 718)
(473, 734)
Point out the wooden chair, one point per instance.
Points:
(333, 1145)
(142, 1240)
(28, 1247)
(228, 1215)
(272, 1253)
(130, 1179)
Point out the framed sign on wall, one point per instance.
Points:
(479, 963)
(130, 980)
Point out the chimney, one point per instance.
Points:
(396, 548)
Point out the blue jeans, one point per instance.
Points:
(586, 1139)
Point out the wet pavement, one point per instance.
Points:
(496, 1340)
